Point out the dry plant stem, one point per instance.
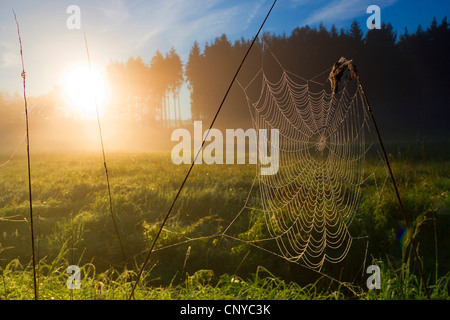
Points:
(413, 244)
(201, 147)
(104, 159)
(28, 158)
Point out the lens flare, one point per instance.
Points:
(403, 236)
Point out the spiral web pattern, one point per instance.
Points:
(310, 202)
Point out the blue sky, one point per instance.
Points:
(119, 29)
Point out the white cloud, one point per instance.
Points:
(116, 11)
(10, 59)
(141, 42)
(144, 26)
(254, 11)
(339, 10)
(6, 44)
(178, 23)
(297, 3)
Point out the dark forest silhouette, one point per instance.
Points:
(405, 77)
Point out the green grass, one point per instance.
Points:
(17, 283)
(74, 226)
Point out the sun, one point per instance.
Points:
(85, 90)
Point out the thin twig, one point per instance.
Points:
(104, 157)
(413, 244)
(199, 150)
(28, 158)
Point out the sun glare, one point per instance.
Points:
(84, 89)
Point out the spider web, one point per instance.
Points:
(310, 202)
(324, 138)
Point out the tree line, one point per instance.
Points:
(147, 92)
(405, 77)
